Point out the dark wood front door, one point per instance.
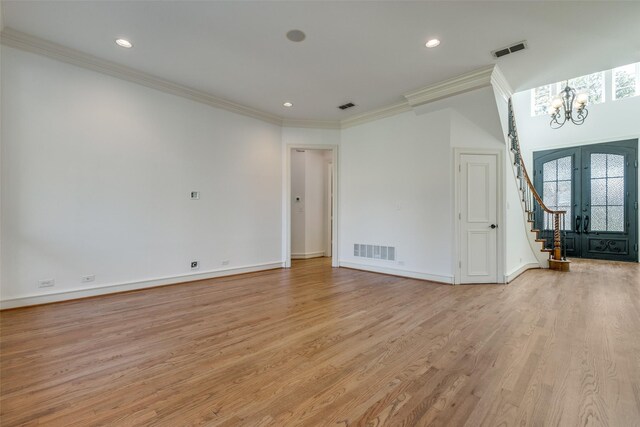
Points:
(598, 187)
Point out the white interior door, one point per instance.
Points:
(478, 218)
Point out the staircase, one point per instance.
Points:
(546, 224)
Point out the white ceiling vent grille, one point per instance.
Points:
(387, 253)
(509, 49)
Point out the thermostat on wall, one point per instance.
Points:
(195, 195)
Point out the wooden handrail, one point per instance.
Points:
(534, 192)
(519, 158)
(530, 190)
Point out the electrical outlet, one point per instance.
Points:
(46, 283)
(195, 195)
(87, 279)
(194, 265)
(225, 262)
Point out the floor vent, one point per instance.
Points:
(511, 49)
(347, 105)
(387, 253)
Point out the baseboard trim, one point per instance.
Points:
(132, 286)
(398, 272)
(307, 255)
(509, 277)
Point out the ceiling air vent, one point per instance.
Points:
(347, 105)
(511, 49)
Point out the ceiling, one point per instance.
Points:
(370, 53)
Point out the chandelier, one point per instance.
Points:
(568, 106)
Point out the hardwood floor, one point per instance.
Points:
(320, 346)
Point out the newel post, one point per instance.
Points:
(557, 246)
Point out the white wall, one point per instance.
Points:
(308, 136)
(607, 122)
(521, 250)
(520, 241)
(396, 191)
(96, 175)
(397, 186)
(482, 125)
(1, 150)
(316, 201)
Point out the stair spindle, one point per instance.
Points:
(550, 223)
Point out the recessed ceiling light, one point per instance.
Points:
(124, 43)
(432, 43)
(288, 104)
(296, 35)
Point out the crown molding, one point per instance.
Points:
(500, 83)
(16, 39)
(464, 83)
(483, 77)
(380, 113)
(313, 124)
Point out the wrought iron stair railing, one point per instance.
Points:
(548, 224)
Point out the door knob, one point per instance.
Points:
(493, 226)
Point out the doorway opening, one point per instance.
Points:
(598, 187)
(310, 229)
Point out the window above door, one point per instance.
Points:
(624, 82)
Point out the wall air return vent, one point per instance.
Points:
(387, 253)
(510, 49)
(347, 105)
